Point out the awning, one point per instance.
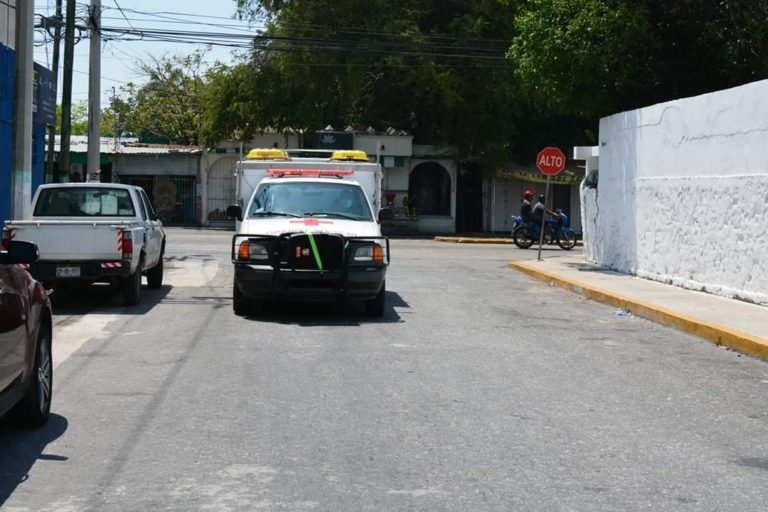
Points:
(566, 177)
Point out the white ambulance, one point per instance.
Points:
(308, 228)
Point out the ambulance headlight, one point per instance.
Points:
(252, 251)
(369, 253)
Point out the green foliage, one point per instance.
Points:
(595, 57)
(78, 118)
(168, 106)
(434, 69)
(581, 56)
(496, 79)
(229, 102)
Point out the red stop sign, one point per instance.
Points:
(550, 161)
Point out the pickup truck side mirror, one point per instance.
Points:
(386, 214)
(20, 252)
(234, 212)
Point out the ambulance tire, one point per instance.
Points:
(375, 306)
(241, 305)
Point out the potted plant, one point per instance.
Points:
(410, 210)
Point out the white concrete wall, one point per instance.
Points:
(683, 192)
(394, 145)
(8, 23)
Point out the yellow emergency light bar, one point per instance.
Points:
(308, 172)
(350, 154)
(268, 154)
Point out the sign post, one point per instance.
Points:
(551, 162)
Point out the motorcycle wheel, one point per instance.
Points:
(522, 237)
(567, 239)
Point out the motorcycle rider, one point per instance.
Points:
(538, 214)
(526, 213)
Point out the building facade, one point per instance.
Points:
(419, 182)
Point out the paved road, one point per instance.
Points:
(480, 389)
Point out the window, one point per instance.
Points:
(341, 200)
(84, 202)
(429, 189)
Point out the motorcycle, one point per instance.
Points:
(556, 231)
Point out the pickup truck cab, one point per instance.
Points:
(89, 232)
(309, 233)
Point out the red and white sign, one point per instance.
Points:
(550, 161)
(311, 222)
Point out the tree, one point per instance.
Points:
(79, 118)
(230, 103)
(169, 105)
(581, 56)
(434, 69)
(596, 57)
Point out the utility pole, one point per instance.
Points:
(114, 114)
(21, 179)
(55, 64)
(66, 95)
(94, 93)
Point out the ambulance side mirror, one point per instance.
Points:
(234, 212)
(386, 214)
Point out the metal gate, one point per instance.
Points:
(221, 188)
(172, 197)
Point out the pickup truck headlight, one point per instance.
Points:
(252, 251)
(369, 253)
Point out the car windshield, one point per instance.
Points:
(84, 202)
(314, 199)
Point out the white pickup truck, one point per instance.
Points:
(308, 229)
(89, 232)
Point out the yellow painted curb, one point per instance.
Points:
(716, 333)
(475, 240)
(470, 240)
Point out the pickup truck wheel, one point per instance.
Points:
(33, 410)
(240, 304)
(155, 275)
(132, 288)
(375, 306)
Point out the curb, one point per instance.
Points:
(489, 240)
(716, 333)
(470, 240)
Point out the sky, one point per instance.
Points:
(120, 54)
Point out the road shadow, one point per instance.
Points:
(20, 449)
(310, 314)
(583, 266)
(101, 298)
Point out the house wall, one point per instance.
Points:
(7, 88)
(682, 195)
(276, 140)
(502, 198)
(385, 145)
(7, 94)
(396, 179)
(217, 176)
(501, 203)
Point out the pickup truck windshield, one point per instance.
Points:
(311, 199)
(84, 202)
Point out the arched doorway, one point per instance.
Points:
(429, 189)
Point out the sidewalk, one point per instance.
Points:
(481, 239)
(729, 322)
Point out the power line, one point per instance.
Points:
(123, 13)
(288, 43)
(324, 29)
(102, 76)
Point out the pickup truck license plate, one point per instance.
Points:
(67, 271)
